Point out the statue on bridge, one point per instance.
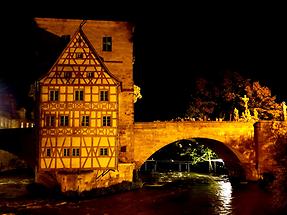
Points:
(236, 114)
(245, 99)
(246, 115)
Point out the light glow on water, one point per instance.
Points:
(224, 194)
(217, 197)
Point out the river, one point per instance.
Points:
(218, 198)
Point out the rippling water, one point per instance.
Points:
(220, 198)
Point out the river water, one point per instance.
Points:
(217, 198)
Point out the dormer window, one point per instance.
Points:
(107, 44)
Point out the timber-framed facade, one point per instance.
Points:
(85, 100)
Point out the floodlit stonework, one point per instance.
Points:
(86, 100)
(87, 135)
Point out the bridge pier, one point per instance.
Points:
(251, 173)
(264, 139)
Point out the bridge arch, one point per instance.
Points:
(230, 156)
(233, 142)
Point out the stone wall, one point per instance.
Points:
(265, 140)
(80, 181)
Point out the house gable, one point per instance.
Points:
(80, 64)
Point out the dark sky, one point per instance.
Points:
(174, 42)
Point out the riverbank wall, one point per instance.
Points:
(85, 180)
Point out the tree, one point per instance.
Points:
(219, 98)
(260, 98)
(196, 152)
(203, 101)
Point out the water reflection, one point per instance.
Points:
(223, 191)
(218, 198)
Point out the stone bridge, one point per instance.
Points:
(242, 145)
(239, 144)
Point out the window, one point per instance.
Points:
(104, 95)
(85, 121)
(79, 95)
(48, 152)
(106, 121)
(64, 120)
(76, 152)
(123, 148)
(104, 151)
(107, 44)
(79, 55)
(50, 121)
(54, 95)
(79, 40)
(67, 75)
(66, 152)
(90, 74)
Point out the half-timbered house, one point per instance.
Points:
(85, 102)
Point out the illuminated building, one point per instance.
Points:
(85, 101)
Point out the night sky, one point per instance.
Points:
(173, 45)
